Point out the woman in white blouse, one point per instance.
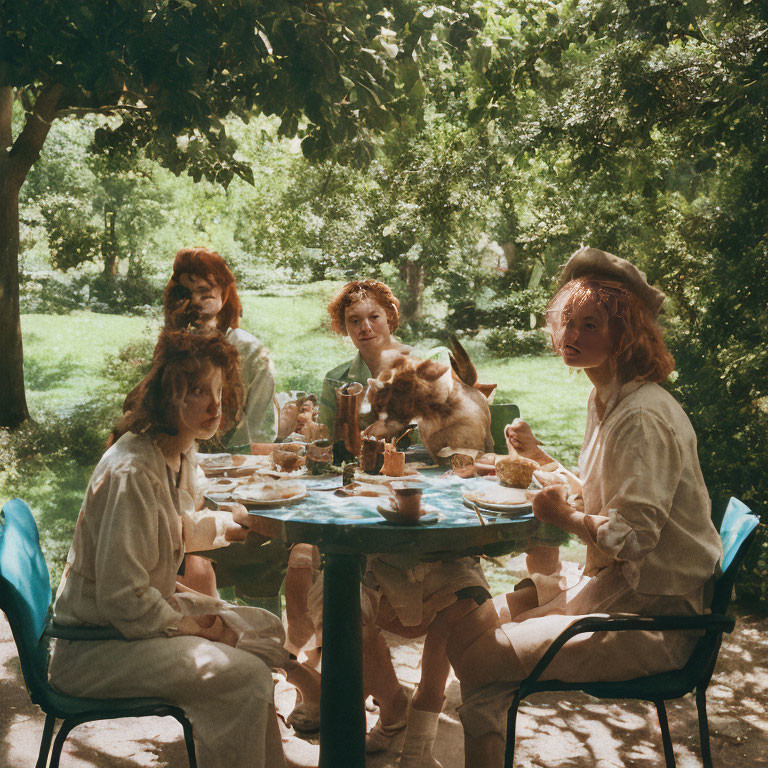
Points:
(643, 512)
(137, 520)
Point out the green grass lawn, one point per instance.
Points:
(72, 401)
(64, 355)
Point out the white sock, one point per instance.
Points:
(420, 735)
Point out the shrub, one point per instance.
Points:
(510, 342)
(129, 366)
(78, 436)
(54, 294)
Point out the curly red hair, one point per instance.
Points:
(357, 290)
(638, 350)
(179, 312)
(180, 358)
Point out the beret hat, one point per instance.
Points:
(599, 264)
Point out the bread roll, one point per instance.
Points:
(516, 472)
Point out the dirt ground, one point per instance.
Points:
(553, 732)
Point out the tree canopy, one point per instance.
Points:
(171, 71)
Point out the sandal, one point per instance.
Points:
(380, 736)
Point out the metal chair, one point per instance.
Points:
(737, 532)
(25, 598)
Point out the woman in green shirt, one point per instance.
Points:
(368, 312)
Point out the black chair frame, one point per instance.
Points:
(74, 711)
(695, 675)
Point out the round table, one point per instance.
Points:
(345, 529)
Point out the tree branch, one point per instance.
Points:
(6, 112)
(27, 146)
(105, 110)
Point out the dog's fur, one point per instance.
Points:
(449, 412)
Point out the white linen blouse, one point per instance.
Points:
(642, 478)
(259, 421)
(131, 535)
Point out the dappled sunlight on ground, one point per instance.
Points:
(552, 732)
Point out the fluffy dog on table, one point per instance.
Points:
(449, 412)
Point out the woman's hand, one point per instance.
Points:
(265, 527)
(209, 626)
(238, 530)
(217, 631)
(551, 506)
(521, 440)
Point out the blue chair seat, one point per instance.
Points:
(25, 598)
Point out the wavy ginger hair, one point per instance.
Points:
(638, 351)
(209, 265)
(358, 290)
(154, 405)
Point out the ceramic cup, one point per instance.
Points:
(319, 456)
(407, 501)
(371, 457)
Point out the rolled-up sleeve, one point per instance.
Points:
(640, 476)
(127, 547)
(205, 529)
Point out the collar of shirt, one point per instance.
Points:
(616, 394)
(358, 370)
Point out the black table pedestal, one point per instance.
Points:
(342, 707)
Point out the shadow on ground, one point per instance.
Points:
(577, 732)
(39, 377)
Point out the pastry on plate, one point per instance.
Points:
(516, 471)
(498, 495)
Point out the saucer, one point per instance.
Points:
(392, 516)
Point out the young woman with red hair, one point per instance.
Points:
(643, 511)
(138, 518)
(368, 313)
(202, 293)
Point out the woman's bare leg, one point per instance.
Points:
(379, 678)
(435, 667)
(199, 575)
(427, 701)
(307, 681)
(298, 582)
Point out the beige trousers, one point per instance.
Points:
(227, 693)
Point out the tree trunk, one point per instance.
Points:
(109, 246)
(16, 158)
(412, 274)
(13, 402)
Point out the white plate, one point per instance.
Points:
(496, 497)
(223, 484)
(363, 477)
(500, 509)
(267, 503)
(270, 493)
(217, 464)
(267, 472)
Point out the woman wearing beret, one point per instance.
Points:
(644, 514)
